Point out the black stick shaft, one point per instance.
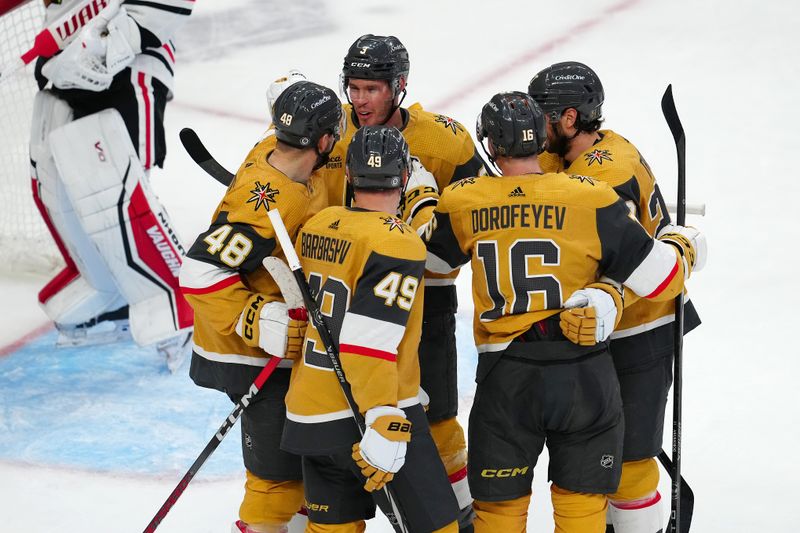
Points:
(675, 126)
(394, 512)
(200, 155)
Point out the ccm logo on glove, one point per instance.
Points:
(251, 317)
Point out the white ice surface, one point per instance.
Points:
(736, 79)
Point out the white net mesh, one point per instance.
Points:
(25, 244)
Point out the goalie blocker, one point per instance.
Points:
(115, 235)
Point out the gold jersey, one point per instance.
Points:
(365, 268)
(443, 146)
(534, 239)
(222, 275)
(614, 160)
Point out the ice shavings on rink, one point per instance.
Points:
(116, 408)
(112, 408)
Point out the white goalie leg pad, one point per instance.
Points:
(111, 194)
(85, 288)
(641, 516)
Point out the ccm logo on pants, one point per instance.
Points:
(504, 472)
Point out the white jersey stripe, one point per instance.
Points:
(232, 358)
(438, 265)
(439, 282)
(360, 330)
(642, 328)
(197, 275)
(654, 271)
(339, 415)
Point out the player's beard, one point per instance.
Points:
(559, 144)
(322, 159)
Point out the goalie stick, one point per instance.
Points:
(393, 512)
(680, 515)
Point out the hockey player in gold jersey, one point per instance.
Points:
(365, 267)
(571, 96)
(537, 244)
(241, 319)
(375, 78)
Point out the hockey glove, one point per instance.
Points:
(273, 327)
(591, 314)
(690, 243)
(107, 45)
(421, 193)
(382, 450)
(78, 67)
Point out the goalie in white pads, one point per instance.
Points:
(97, 131)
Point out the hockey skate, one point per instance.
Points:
(104, 329)
(241, 527)
(175, 350)
(296, 525)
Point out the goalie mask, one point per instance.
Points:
(513, 124)
(378, 158)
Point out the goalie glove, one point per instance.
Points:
(591, 313)
(382, 450)
(273, 327)
(107, 45)
(690, 243)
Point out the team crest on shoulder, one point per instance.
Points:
(394, 223)
(448, 122)
(263, 195)
(597, 156)
(462, 183)
(582, 179)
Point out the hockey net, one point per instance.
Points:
(24, 239)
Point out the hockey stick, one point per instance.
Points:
(213, 443)
(687, 494)
(394, 514)
(200, 155)
(680, 517)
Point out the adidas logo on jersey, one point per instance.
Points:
(516, 192)
(334, 224)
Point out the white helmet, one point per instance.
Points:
(278, 86)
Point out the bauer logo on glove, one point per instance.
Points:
(382, 450)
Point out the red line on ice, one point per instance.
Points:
(526, 58)
(25, 339)
(522, 60)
